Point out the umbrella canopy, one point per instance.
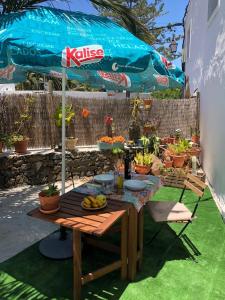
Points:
(91, 48)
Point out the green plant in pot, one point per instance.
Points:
(49, 199)
(195, 135)
(18, 138)
(178, 154)
(3, 141)
(118, 157)
(134, 127)
(70, 141)
(143, 162)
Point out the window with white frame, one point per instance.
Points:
(212, 7)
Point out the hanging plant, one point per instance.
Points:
(85, 113)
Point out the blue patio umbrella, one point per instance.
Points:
(85, 47)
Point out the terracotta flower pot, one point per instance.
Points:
(195, 139)
(21, 146)
(71, 143)
(168, 163)
(178, 160)
(171, 140)
(147, 129)
(49, 203)
(1, 146)
(147, 103)
(164, 140)
(144, 170)
(194, 151)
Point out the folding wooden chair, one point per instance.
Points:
(176, 212)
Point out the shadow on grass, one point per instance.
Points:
(29, 275)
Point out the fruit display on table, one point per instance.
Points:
(94, 202)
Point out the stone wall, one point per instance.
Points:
(40, 167)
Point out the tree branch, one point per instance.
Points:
(169, 26)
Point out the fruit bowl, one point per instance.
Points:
(94, 202)
(93, 208)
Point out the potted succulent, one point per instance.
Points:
(143, 163)
(195, 135)
(49, 199)
(70, 142)
(105, 143)
(178, 154)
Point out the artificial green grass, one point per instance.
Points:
(182, 275)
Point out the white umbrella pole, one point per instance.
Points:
(63, 129)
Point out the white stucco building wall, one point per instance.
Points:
(7, 87)
(205, 66)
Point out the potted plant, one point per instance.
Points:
(178, 135)
(118, 156)
(178, 154)
(17, 138)
(134, 127)
(195, 135)
(105, 143)
(143, 163)
(118, 142)
(168, 163)
(20, 143)
(70, 142)
(3, 141)
(147, 103)
(49, 199)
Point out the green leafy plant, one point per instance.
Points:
(145, 159)
(117, 151)
(51, 190)
(154, 143)
(145, 141)
(23, 120)
(179, 148)
(195, 131)
(69, 115)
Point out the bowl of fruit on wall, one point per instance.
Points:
(94, 202)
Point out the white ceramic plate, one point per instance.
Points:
(135, 185)
(104, 178)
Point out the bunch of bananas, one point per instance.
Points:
(94, 202)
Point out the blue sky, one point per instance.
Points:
(174, 8)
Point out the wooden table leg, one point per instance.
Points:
(77, 265)
(124, 227)
(132, 243)
(140, 236)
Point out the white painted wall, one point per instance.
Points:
(206, 69)
(7, 87)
